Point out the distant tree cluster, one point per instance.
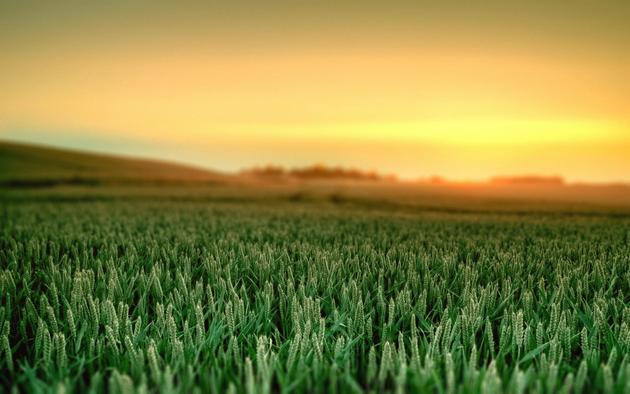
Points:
(529, 180)
(317, 171)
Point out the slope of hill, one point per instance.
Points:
(32, 165)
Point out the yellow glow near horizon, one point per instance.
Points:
(463, 132)
(366, 86)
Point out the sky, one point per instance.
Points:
(464, 90)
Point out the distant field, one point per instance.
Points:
(317, 287)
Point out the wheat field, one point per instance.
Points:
(148, 295)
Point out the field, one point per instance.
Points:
(320, 288)
(220, 295)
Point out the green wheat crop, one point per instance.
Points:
(144, 296)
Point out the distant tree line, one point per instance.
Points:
(528, 180)
(317, 171)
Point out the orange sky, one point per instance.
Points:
(466, 92)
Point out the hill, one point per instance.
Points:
(34, 165)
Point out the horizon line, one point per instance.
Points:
(434, 179)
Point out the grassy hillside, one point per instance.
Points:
(30, 165)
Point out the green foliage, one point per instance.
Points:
(143, 296)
